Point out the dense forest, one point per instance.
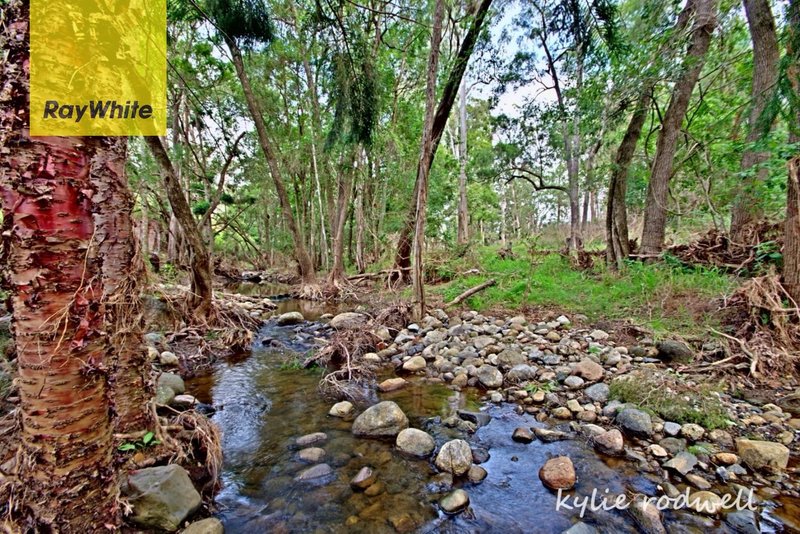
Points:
(413, 266)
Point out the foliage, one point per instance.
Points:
(147, 440)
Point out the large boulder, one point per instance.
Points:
(162, 497)
(383, 420)
(490, 377)
(765, 455)
(454, 457)
(415, 442)
(558, 473)
(289, 318)
(635, 423)
(349, 321)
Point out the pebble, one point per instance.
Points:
(454, 502)
(558, 473)
(363, 479)
(522, 435)
(311, 455)
(341, 409)
(310, 439)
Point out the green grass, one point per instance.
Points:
(660, 296)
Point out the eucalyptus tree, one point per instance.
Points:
(243, 24)
(790, 85)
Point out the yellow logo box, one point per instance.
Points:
(98, 67)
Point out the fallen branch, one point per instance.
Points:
(469, 292)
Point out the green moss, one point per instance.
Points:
(669, 397)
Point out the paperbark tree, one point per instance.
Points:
(462, 236)
(53, 273)
(655, 214)
(761, 23)
(791, 248)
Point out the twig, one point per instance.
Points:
(468, 293)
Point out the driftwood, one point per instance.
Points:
(469, 292)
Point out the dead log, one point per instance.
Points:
(469, 292)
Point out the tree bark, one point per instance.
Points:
(617, 240)
(423, 169)
(655, 216)
(53, 274)
(761, 23)
(199, 263)
(402, 260)
(791, 247)
(462, 236)
(123, 273)
(344, 184)
(304, 262)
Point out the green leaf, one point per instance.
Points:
(126, 447)
(148, 438)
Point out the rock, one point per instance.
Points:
(574, 406)
(705, 502)
(363, 479)
(155, 339)
(476, 474)
(184, 401)
(726, 458)
(310, 439)
(672, 429)
(152, 353)
(562, 412)
(658, 451)
(682, 463)
(168, 358)
(743, 522)
(415, 442)
(698, 482)
(164, 395)
(548, 436)
(313, 473)
(481, 342)
(172, 381)
(635, 422)
(765, 455)
(454, 502)
(415, 363)
(670, 350)
(392, 384)
(573, 382)
(479, 418)
(598, 335)
(289, 318)
(588, 370)
(521, 373)
(673, 445)
(522, 435)
(454, 457)
(647, 516)
(162, 497)
(580, 528)
(209, 525)
(511, 357)
(384, 419)
(558, 473)
(610, 443)
(341, 409)
(349, 321)
(490, 376)
(692, 432)
(597, 392)
(311, 455)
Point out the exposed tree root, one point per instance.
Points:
(716, 249)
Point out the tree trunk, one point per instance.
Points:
(123, 274)
(617, 240)
(53, 274)
(402, 260)
(361, 264)
(655, 215)
(747, 208)
(423, 167)
(463, 214)
(199, 262)
(791, 247)
(343, 184)
(301, 254)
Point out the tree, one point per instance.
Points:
(765, 74)
(462, 235)
(791, 250)
(54, 276)
(402, 260)
(244, 23)
(655, 217)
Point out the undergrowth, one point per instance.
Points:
(659, 296)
